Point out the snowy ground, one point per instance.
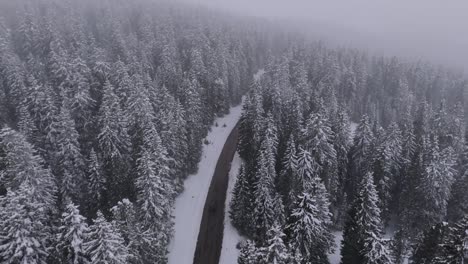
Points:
(229, 252)
(258, 75)
(352, 127)
(189, 205)
(335, 257)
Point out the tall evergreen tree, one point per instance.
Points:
(268, 207)
(275, 250)
(248, 253)
(24, 233)
(105, 244)
(241, 203)
(362, 238)
(73, 231)
(360, 153)
(308, 234)
(429, 246)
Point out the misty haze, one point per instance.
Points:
(233, 132)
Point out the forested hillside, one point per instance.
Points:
(307, 173)
(104, 106)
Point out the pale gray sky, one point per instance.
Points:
(432, 29)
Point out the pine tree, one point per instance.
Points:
(308, 234)
(143, 244)
(429, 246)
(275, 250)
(113, 137)
(105, 244)
(458, 203)
(361, 152)
(306, 170)
(96, 182)
(21, 165)
(342, 145)
(318, 138)
(454, 247)
(436, 183)
(289, 168)
(267, 204)
(23, 231)
(362, 238)
(195, 126)
(70, 163)
(73, 231)
(387, 163)
(26, 124)
(248, 253)
(241, 203)
(153, 176)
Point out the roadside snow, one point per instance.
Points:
(229, 251)
(335, 257)
(188, 209)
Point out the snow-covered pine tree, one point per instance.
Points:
(248, 253)
(308, 235)
(429, 245)
(73, 231)
(317, 138)
(268, 208)
(96, 183)
(363, 228)
(153, 175)
(105, 244)
(142, 243)
(377, 251)
(454, 247)
(288, 170)
(342, 144)
(244, 146)
(436, 184)
(113, 136)
(155, 190)
(360, 154)
(195, 127)
(70, 164)
(458, 204)
(23, 230)
(387, 159)
(21, 165)
(271, 133)
(241, 203)
(26, 124)
(306, 170)
(274, 249)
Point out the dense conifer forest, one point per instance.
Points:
(104, 106)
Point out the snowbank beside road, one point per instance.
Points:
(229, 251)
(188, 209)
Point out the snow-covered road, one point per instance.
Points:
(189, 205)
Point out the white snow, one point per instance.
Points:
(258, 75)
(352, 127)
(335, 257)
(229, 251)
(188, 209)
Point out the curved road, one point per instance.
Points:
(210, 237)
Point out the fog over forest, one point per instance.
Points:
(427, 29)
(233, 132)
